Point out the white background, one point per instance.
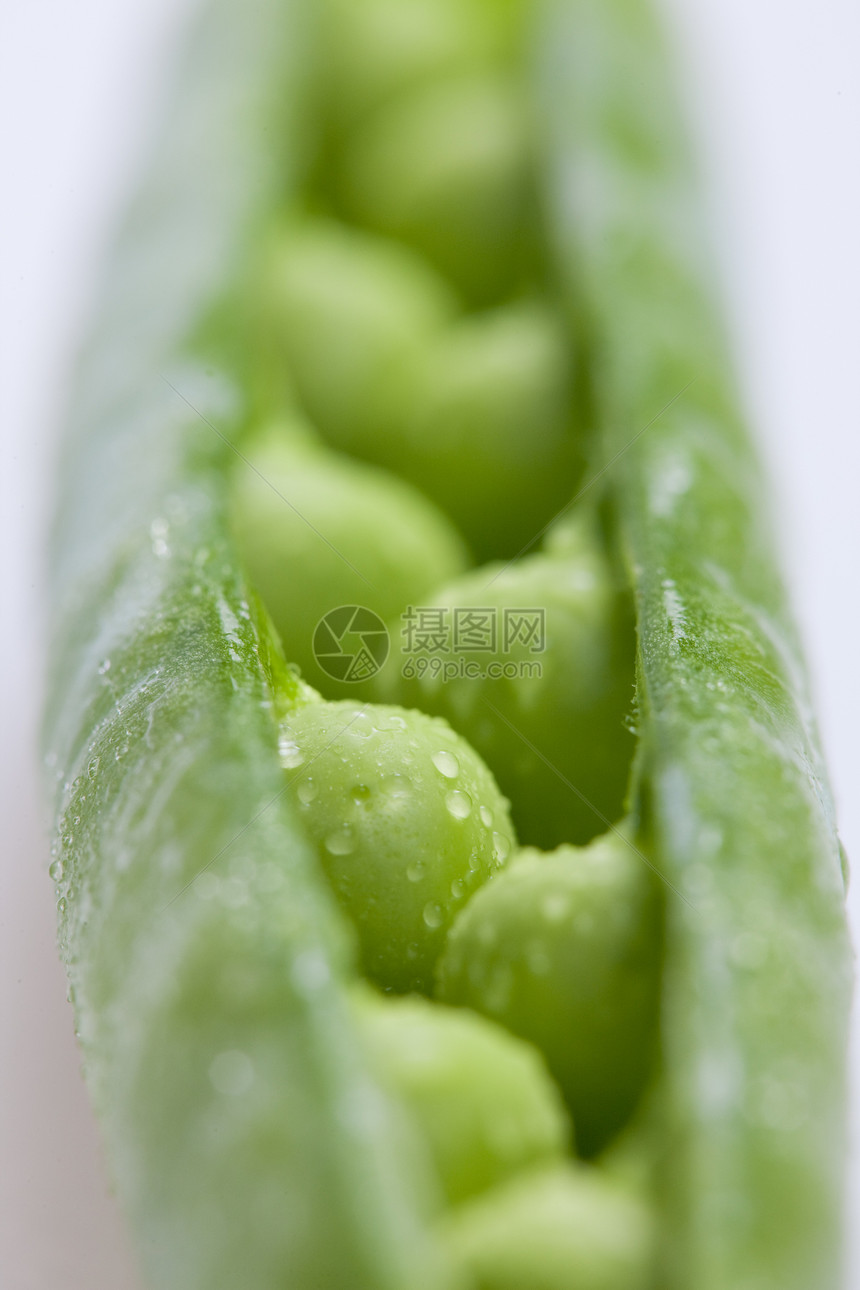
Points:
(774, 87)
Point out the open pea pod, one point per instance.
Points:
(730, 779)
(205, 957)
(209, 964)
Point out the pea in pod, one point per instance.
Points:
(213, 933)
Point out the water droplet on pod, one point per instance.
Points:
(446, 763)
(340, 842)
(307, 791)
(459, 804)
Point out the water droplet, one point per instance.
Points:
(360, 794)
(501, 847)
(446, 764)
(537, 958)
(340, 842)
(289, 752)
(457, 888)
(498, 991)
(307, 791)
(487, 935)
(231, 1073)
(56, 870)
(310, 971)
(362, 727)
(459, 804)
(486, 817)
(415, 871)
(104, 666)
(555, 907)
(93, 768)
(432, 915)
(61, 906)
(398, 789)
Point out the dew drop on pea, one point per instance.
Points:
(93, 768)
(360, 794)
(501, 847)
(446, 763)
(289, 752)
(56, 870)
(458, 804)
(340, 842)
(486, 817)
(307, 791)
(537, 959)
(432, 915)
(499, 989)
(415, 871)
(555, 908)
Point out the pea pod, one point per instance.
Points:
(210, 964)
(730, 777)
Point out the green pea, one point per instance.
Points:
(446, 169)
(407, 821)
(482, 1099)
(489, 432)
(351, 311)
(564, 949)
(562, 1228)
(319, 531)
(552, 723)
(375, 49)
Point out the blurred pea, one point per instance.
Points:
(319, 531)
(447, 170)
(565, 1227)
(564, 949)
(537, 673)
(482, 1099)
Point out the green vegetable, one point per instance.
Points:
(488, 426)
(730, 778)
(352, 312)
(371, 52)
(551, 720)
(446, 169)
(483, 1099)
(318, 532)
(233, 853)
(555, 1229)
(407, 821)
(564, 950)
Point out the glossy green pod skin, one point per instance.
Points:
(730, 783)
(206, 958)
